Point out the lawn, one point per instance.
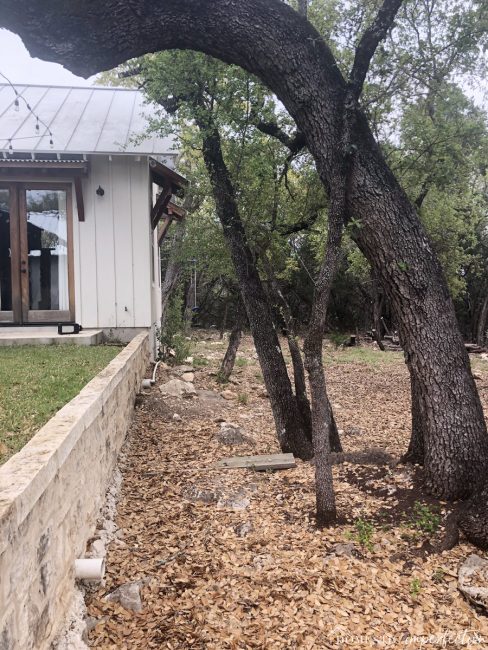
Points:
(35, 382)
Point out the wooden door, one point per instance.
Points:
(36, 253)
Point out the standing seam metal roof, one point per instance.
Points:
(83, 120)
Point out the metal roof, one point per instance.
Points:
(82, 120)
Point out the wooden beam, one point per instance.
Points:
(164, 227)
(176, 211)
(80, 205)
(258, 463)
(161, 204)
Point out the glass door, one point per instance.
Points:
(36, 260)
(45, 253)
(9, 251)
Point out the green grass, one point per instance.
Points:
(362, 355)
(35, 382)
(241, 362)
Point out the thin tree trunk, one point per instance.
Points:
(223, 323)
(289, 422)
(482, 326)
(173, 270)
(297, 360)
(234, 341)
(322, 418)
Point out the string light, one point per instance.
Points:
(39, 121)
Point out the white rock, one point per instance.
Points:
(178, 388)
(176, 417)
(97, 548)
(473, 580)
(243, 530)
(128, 596)
(188, 376)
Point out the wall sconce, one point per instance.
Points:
(100, 191)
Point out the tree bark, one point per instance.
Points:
(482, 325)
(269, 39)
(173, 270)
(322, 419)
(297, 360)
(223, 324)
(416, 449)
(290, 427)
(234, 340)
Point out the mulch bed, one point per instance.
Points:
(232, 559)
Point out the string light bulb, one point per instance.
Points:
(10, 148)
(16, 105)
(37, 125)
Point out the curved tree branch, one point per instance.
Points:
(370, 40)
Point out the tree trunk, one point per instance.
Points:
(173, 270)
(290, 427)
(482, 325)
(297, 361)
(322, 419)
(234, 340)
(272, 41)
(416, 449)
(223, 323)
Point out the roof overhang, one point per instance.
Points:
(162, 175)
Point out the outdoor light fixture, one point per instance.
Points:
(100, 191)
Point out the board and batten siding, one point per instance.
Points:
(112, 247)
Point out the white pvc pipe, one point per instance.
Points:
(154, 373)
(90, 569)
(147, 383)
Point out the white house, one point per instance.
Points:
(83, 203)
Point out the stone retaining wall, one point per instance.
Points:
(50, 496)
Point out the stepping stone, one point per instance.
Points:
(258, 463)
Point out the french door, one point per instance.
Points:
(36, 253)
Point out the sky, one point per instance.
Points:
(17, 64)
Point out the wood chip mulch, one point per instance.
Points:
(232, 559)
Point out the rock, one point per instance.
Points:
(231, 434)
(209, 396)
(476, 376)
(345, 550)
(197, 494)
(180, 370)
(473, 580)
(263, 394)
(188, 376)
(189, 360)
(228, 394)
(128, 596)
(119, 543)
(353, 431)
(236, 501)
(3, 449)
(97, 548)
(177, 388)
(243, 530)
(176, 417)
